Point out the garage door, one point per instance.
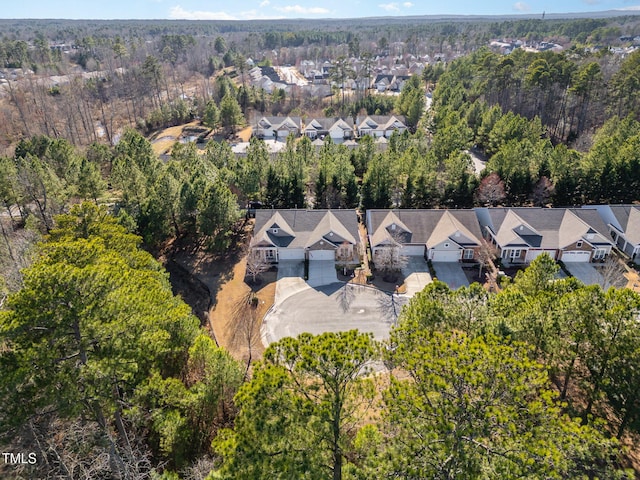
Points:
(575, 256)
(291, 254)
(413, 250)
(322, 255)
(445, 255)
(533, 254)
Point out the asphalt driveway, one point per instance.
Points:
(450, 273)
(585, 272)
(332, 308)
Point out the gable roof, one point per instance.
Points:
(386, 233)
(328, 227)
(323, 125)
(306, 227)
(628, 219)
(426, 227)
(341, 124)
(453, 227)
(380, 122)
(545, 228)
(276, 231)
(594, 230)
(276, 123)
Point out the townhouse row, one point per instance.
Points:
(339, 129)
(519, 235)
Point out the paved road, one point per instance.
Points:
(332, 308)
(479, 160)
(450, 273)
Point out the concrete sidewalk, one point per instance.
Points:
(289, 280)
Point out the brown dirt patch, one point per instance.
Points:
(232, 330)
(214, 284)
(245, 134)
(163, 140)
(633, 282)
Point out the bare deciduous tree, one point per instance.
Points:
(16, 253)
(247, 321)
(491, 190)
(390, 260)
(486, 254)
(256, 264)
(612, 273)
(200, 469)
(80, 449)
(542, 192)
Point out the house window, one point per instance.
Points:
(446, 245)
(468, 254)
(599, 254)
(579, 244)
(344, 251)
(270, 255)
(275, 230)
(515, 253)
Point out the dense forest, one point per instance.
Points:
(92, 79)
(107, 374)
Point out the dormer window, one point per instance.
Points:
(393, 226)
(579, 244)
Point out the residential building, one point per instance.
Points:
(566, 234)
(380, 125)
(339, 129)
(277, 128)
(436, 235)
(623, 222)
(297, 234)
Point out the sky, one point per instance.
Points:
(270, 9)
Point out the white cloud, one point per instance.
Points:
(265, 3)
(389, 7)
(179, 13)
(631, 7)
(521, 7)
(302, 10)
(407, 4)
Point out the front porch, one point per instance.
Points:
(266, 254)
(514, 256)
